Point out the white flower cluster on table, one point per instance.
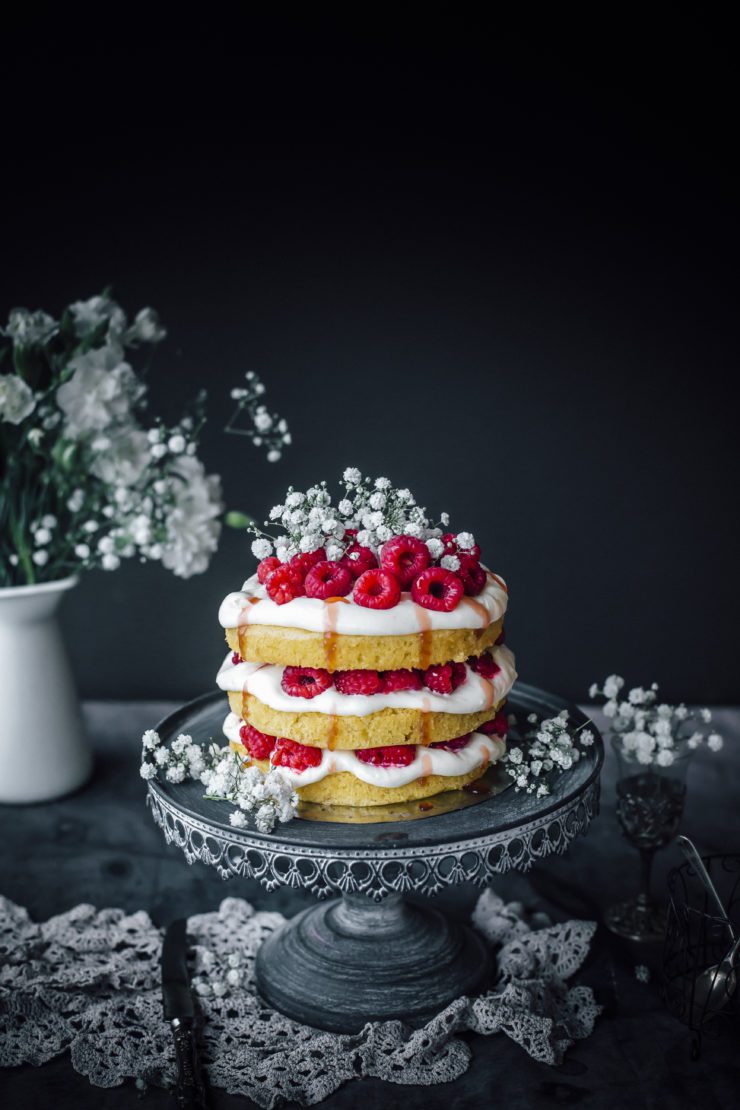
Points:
(370, 506)
(268, 798)
(89, 479)
(548, 745)
(652, 732)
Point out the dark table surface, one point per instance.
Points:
(101, 846)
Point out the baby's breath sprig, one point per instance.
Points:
(268, 798)
(370, 509)
(548, 745)
(651, 732)
(269, 430)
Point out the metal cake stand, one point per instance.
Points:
(373, 953)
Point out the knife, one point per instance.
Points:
(177, 1001)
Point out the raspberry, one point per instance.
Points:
(306, 560)
(350, 533)
(327, 579)
(406, 557)
(258, 744)
(305, 682)
(266, 567)
(357, 559)
(471, 574)
(484, 665)
(401, 680)
(499, 726)
(284, 584)
(397, 755)
(501, 638)
(453, 745)
(236, 658)
(358, 682)
(437, 589)
(445, 678)
(377, 589)
(295, 756)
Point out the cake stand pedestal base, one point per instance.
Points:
(345, 962)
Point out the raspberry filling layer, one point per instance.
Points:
(389, 766)
(484, 681)
(442, 678)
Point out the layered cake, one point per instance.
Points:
(366, 654)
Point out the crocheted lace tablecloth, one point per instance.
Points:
(88, 982)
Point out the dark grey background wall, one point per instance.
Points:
(496, 264)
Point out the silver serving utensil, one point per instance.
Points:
(689, 850)
(715, 986)
(177, 1001)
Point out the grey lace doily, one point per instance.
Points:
(88, 982)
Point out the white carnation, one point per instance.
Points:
(29, 329)
(192, 525)
(465, 540)
(101, 390)
(146, 328)
(16, 399)
(352, 476)
(450, 562)
(125, 458)
(714, 741)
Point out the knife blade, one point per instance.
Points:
(179, 1009)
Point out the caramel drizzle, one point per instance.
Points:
(425, 637)
(425, 806)
(479, 609)
(499, 581)
(426, 738)
(332, 734)
(331, 615)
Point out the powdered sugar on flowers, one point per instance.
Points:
(266, 798)
(651, 732)
(548, 745)
(369, 511)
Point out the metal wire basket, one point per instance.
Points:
(696, 940)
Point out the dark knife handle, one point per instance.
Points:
(189, 1092)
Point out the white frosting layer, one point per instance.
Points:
(349, 619)
(428, 761)
(473, 696)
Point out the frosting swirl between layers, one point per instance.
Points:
(263, 681)
(252, 605)
(479, 750)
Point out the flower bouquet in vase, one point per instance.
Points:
(653, 743)
(88, 478)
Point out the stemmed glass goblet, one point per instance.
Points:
(650, 801)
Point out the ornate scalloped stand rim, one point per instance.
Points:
(375, 872)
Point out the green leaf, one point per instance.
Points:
(238, 520)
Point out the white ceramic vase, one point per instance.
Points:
(44, 752)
